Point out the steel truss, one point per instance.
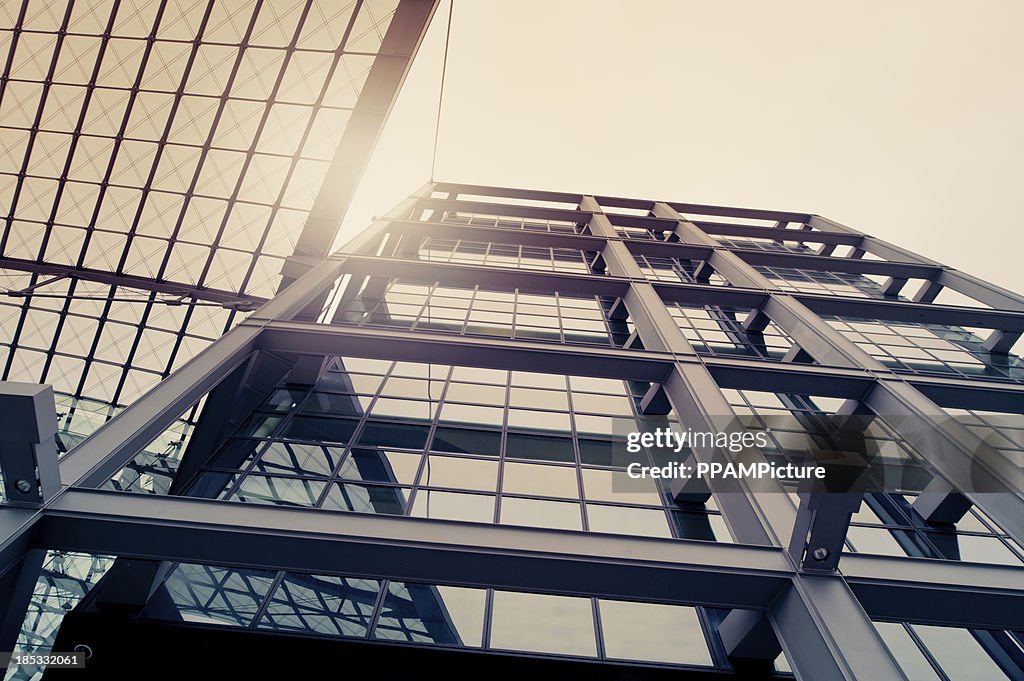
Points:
(819, 614)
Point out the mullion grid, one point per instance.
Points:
(574, 416)
(545, 258)
(927, 349)
(257, 592)
(331, 77)
(839, 284)
(914, 535)
(435, 307)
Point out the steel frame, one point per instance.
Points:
(821, 618)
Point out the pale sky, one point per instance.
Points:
(902, 119)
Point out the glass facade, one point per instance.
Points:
(413, 453)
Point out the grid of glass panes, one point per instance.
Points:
(932, 653)
(796, 423)
(452, 443)
(1001, 430)
(513, 222)
(152, 471)
(632, 232)
(888, 524)
(181, 141)
(819, 281)
(505, 255)
(927, 348)
(64, 579)
(77, 418)
(718, 330)
(109, 343)
(389, 610)
(763, 244)
(676, 270)
(477, 310)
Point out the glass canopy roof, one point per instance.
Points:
(158, 161)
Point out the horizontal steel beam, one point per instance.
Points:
(225, 298)
(780, 234)
(508, 192)
(690, 209)
(906, 311)
(312, 540)
(498, 235)
(824, 263)
(503, 278)
(504, 209)
(474, 351)
(945, 593)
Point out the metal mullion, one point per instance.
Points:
(104, 184)
(47, 82)
(33, 131)
(271, 100)
(224, 96)
(162, 142)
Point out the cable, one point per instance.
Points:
(440, 94)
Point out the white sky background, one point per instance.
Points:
(904, 120)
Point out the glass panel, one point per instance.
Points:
(422, 613)
(216, 595)
(552, 481)
(377, 465)
(459, 472)
(959, 654)
(903, 647)
(431, 503)
(323, 604)
(367, 499)
(624, 520)
(543, 624)
(652, 632)
(540, 513)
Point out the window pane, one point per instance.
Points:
(377, 465)
(646, 522)
(959, 654)
(422, 613)
(452, 471)
(652, 632)
(324, 604)
(367, 499)
(539, 513)
(909, 657)
(542, 623)
(551, 481)
(477, 508)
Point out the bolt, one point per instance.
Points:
(820, 554)
(24, 486)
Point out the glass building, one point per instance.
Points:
(402, 453)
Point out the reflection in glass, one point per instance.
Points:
(367, 499)
(376, 465)
(421, 613)
(959, 654)
(909, 657)
(430, 503)
(550, 481)
(323, 604)
(653, 632)
(540, 513)
(645, 522)
(542, 623)
(216, 595)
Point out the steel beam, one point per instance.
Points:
(280, 538)
(225, 298)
